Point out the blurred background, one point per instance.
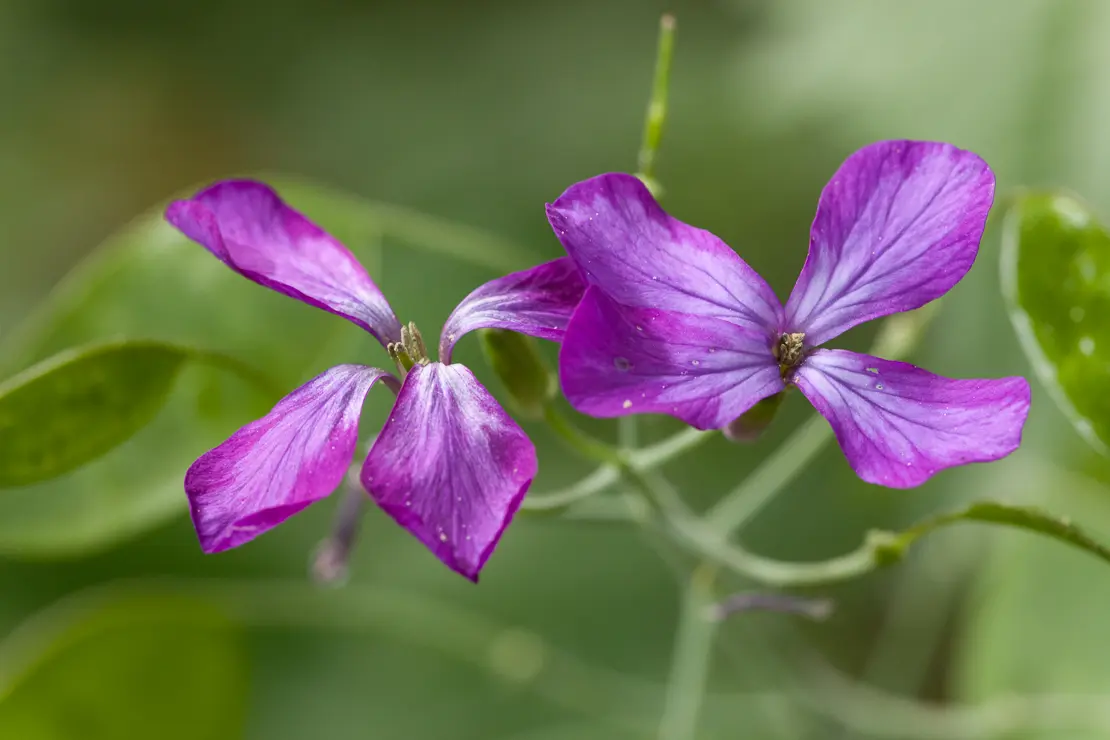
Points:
(457, 120)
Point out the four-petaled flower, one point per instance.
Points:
(449, 465)
(675, 322)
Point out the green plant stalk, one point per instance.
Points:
(690, 664)
(657, 107)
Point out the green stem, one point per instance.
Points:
(657, 107)
(606, 475)
(686, 687)
(580, 442)
(745, 501)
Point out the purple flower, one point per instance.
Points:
(449, 465)
(675, 322)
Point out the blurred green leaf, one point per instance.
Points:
(79, 404)
(134, 668)
(1056, 279)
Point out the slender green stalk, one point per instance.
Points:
(686, 687)
(745, 501)
(606, 475)
(657, 107)
(580, 442)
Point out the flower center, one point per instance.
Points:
(410, 350)
(789, 350)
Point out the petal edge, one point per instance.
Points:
(898, 425)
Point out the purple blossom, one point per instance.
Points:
(449, 466)
(675, 322)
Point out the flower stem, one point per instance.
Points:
(580, 442)
(745, 501)
(606, 475)
(690, 665)
(657, 107)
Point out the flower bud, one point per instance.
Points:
(749, 425)
(516, 360)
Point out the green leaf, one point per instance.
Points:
(79, 404)
(133, 668)
(1056, 279)
(890, 547)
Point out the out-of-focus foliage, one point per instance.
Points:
(1056, 277)
(78, 405)
(132, 667)
(479, 114)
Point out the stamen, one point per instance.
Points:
(790, 350)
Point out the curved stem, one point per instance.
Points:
(607, 475)
(582, 443)
(596, 482)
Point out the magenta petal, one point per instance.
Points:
(897, 226)
(276, 466)
(251, 230)
(537, 302)
(450, 465)
(899, 424)
(617, 361)
(629, 247)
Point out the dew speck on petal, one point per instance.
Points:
(878, 386)
(627, 403)
(622, 364)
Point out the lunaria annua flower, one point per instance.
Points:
(449, 465)
(675, 322)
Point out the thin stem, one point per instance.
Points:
(580, 442)
(657, 107)
(739, 506)
(690, 665)
(606, 475)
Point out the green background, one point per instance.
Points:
(478, 113)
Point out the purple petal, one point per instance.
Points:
(276, 466)
(617, 361)
(251, 230)
(537, 302)
(450, 465)
(629, 247)
(897, 226)
(899, 424)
